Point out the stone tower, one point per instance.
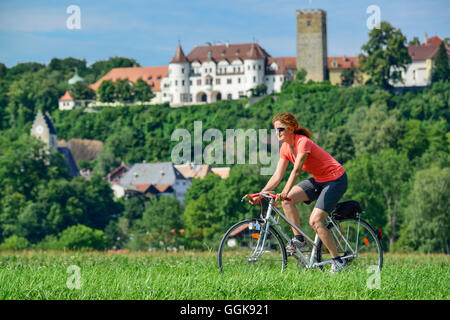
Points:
(312, 43)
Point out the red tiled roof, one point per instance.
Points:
(66, 96)
(283, 63)
(151, 75)
(229, 52)
(423, 52)
(434, 40)
(162, 187)
(342, 62)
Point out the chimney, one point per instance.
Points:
(425, 38)
(218, 43)
(227, 44)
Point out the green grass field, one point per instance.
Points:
(189, 275)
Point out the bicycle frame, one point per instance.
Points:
(269, 220)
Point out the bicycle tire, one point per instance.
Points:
(238, 244)
(370, 248)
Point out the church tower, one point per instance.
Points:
(44, 130)
(312, 44)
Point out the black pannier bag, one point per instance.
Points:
(347, 209)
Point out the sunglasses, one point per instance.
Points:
(281, 129)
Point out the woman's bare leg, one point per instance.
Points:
(316, 220)
(297, 195)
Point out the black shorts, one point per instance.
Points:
(326, 193)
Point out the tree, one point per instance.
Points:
(81, 91)
(142, 91)
(379, 129)
(441, 71)
(414, 42)
(300, 76)
(122, 91)
(426, 225)
(348, 77)
(106, 91)
(414, 141)
(384, 55)
(162, 219)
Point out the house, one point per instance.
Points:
(152, 75)
(214, 72)
(337, 66)
(159, 179)
(419, 71)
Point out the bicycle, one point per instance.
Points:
(257, 243)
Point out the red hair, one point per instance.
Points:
(289, 120)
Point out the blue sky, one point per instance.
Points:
(149, 30)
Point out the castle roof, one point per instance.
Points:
(229, 52)
(151, 75)
(179, 55)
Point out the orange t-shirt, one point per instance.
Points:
(319, 163)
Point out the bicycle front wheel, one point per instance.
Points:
(357, 240)
(246, 246)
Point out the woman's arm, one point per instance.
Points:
(274, 181)
(298, 165)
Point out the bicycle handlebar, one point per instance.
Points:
(266, 194)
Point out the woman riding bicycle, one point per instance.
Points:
(327, 185)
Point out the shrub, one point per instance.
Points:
(15, 243)
(82, 237)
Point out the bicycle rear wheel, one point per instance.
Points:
(363, 244)
(242, 250)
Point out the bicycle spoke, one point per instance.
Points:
(243, 248)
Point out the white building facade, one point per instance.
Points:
(222, 72)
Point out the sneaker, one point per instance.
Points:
(295, 243)
(337, 266)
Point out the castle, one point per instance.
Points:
(214, 72)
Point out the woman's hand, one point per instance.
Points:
(281, 196)
(256, 199)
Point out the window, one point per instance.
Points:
(239, 80)
(182, 70)
(414, 74)
(199, 82)
(176, 82)
(190, 82)
(259, 67)
(308, 23)
(254, 79)
(254, 67)
(217, 81)
(206, 70)
(248, 68)
(210, 70)
(229, 81)
(229, 96)
(182, 82)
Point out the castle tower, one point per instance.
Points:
(179, 69)
(312, 43)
